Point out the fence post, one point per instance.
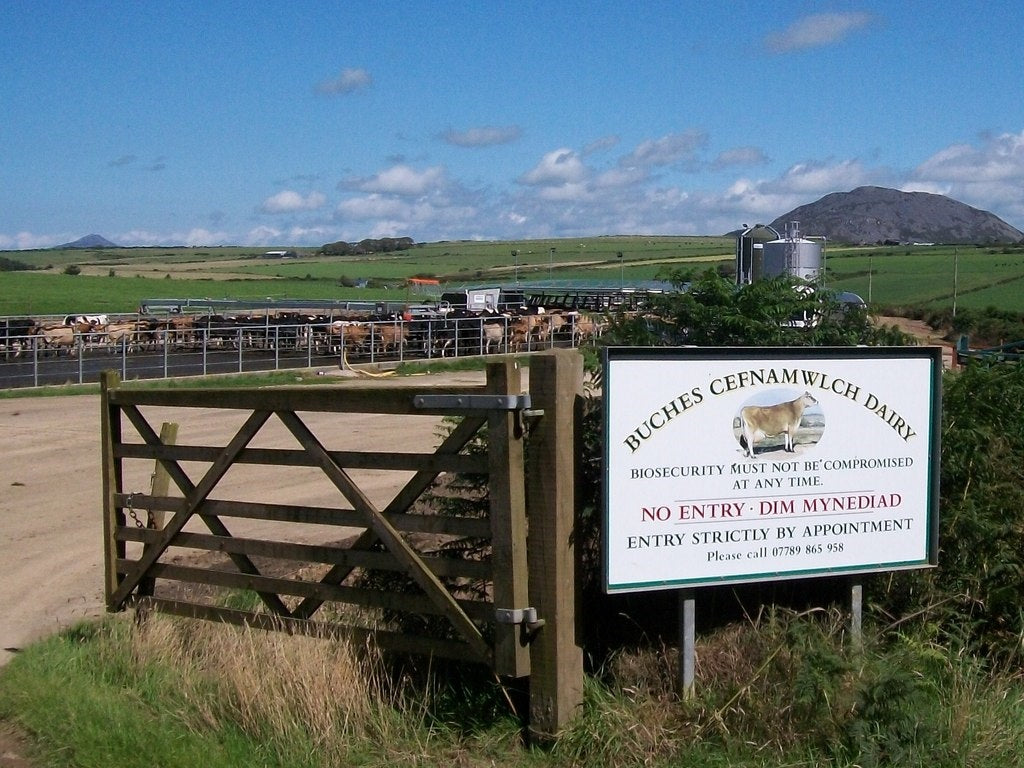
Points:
(556, 659)
(507, 494)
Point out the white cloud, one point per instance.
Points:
(919, 186)
(815, 178)
(194, 236)
(600, 145)
(817, 30)
(561, 166)
(999, 158)
(140, 237)
(667, 150)
(382, 216)
(203, 236)
(24, 241)
(988, 176)
(264, 235)
(318, 235)
(751, 201)
(288, 201)
(371, 207)
(740, 156)
(403, 180)
(570, 191)
(621, 177)
(484, 136)
(347, 81)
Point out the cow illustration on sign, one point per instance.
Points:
(777, 413)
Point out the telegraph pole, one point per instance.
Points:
(956, 276)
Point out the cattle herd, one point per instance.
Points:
(355, 335)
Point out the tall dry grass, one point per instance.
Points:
(281, 689)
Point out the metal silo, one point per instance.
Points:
(793, 255)
(749, 252)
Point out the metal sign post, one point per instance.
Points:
(687, 640)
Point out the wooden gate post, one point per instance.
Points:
(556, 659)
(113, 516)
(508, 519)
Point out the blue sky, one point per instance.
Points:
(257, 123)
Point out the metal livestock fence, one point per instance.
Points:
(54, 353)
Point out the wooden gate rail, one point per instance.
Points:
(512, 579)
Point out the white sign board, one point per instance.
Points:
(727, 465)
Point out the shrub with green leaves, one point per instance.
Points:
(783, 311)
(974, 596)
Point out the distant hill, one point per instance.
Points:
(868, 215)
(90, 241)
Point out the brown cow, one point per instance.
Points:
(391, 336)
(585, 327)
(348, 335)
(520, 333)
(59, 337)
(761, 421)
(124, 334)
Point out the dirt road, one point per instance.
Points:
(51, 553)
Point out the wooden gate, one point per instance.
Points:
(511, 607)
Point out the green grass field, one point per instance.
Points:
(118, 279)
(929, 276)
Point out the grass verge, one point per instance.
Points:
(782, 691)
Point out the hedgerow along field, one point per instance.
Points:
(117, 279)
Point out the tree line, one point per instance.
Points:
(368, 245)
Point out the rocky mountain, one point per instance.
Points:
(868, 215)
(90, 241)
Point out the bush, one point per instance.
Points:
(72, 269)
(987, 327)
(973, 597)
(13, 265)
(714, 312)
(788, 689)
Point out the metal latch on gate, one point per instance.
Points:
(473, 402)
(518, 404)
(526, 618)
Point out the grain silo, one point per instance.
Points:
(792, 255)
(750, 252)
